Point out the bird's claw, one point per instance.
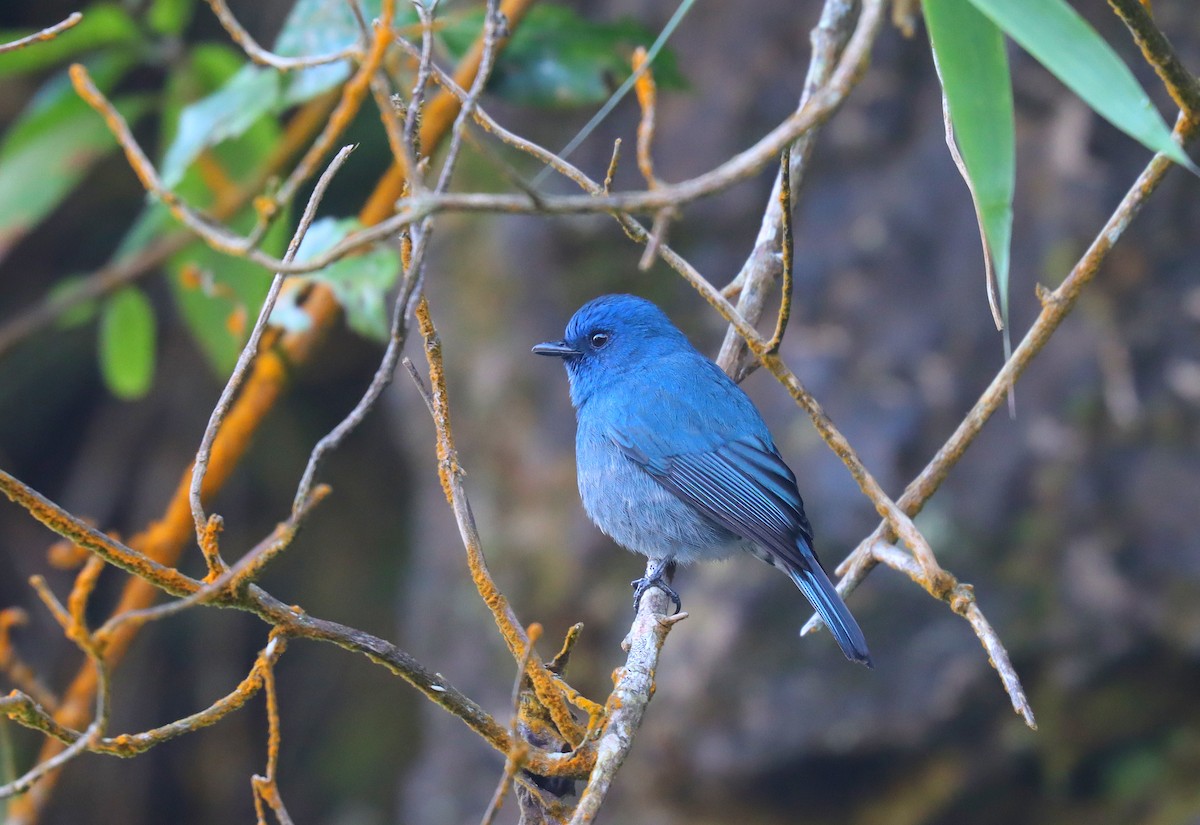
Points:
(656, 577)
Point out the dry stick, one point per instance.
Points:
(632, 691)
(787, 251)
(647, 97)
(23, 710)
(48, 33)
(250, 350)
(274, 612)
(612, 167)
(1182, 85)
(267, 58)
(83, 534)
(755, 282)
(451, 473)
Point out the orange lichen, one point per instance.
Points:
(647, 97)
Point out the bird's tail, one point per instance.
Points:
(819, 590)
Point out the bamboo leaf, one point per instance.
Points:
(1070, 48)
(972, 65)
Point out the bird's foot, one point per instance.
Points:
(658, 576)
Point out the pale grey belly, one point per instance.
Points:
(640, 514)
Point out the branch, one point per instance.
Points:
(1181, 84)
(631, 695)
(450, 472)
(755, 282)
(45, 34)
(267, 58)
(250, 350)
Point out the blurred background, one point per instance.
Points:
(1075, 520)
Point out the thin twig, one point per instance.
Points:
(267, 58)
(450, 472)
(612, 167)
(45, 34)
(786, 251)
(420, 205)
(627, 704)
(250, 350)
(1183, 86)
(100, 716)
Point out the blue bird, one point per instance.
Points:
(675, 462)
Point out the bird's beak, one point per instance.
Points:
(558, 349)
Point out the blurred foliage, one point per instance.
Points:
(219, 131)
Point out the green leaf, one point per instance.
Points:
(227, 113)
(52, 146)
(170, 16)
(103, 24)
(1070, 48)
(127, 344)
(556, 58)
(360, 282)
(973, 67)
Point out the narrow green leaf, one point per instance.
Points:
(973, 67)
(103, 24)
(127, 344)
(1070, 48)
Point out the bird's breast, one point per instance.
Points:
(640, 514)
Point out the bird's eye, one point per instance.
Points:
(598, 340)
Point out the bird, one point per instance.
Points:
(675, 462)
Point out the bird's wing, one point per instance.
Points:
(742, 485)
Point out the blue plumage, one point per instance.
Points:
(674, 460)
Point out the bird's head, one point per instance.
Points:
(609, 337)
